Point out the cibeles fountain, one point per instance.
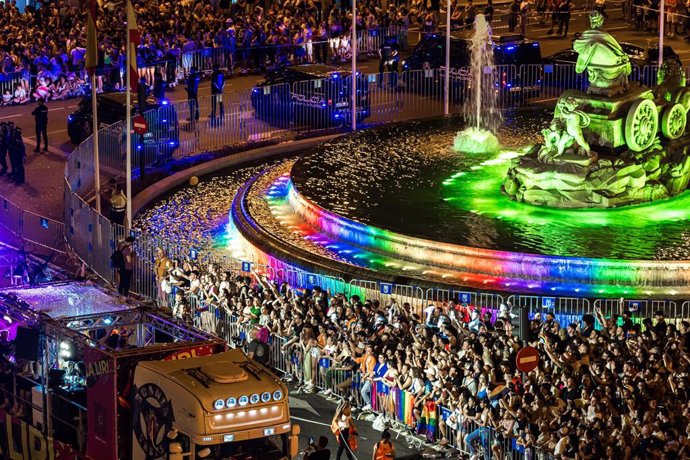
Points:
(617, 144)
(598, 209)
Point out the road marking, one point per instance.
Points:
(296, 403)
(52, 132)
(310, 421)
(63, 108)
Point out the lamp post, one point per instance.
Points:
(662, 8)
(353, 40)
(446, 77)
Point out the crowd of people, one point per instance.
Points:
(46, 45)
(615, 387)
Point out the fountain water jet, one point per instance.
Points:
(480, 109)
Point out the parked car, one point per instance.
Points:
(317, 96)
(640, 57)
(513, 54)
(162, 138)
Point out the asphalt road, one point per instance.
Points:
(314, 413)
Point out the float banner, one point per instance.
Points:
(101, 404)
(21, 441)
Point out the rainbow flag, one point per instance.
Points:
(404, 401)
(428, 422)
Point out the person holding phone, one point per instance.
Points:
(318, 450)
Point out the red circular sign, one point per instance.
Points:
(527, 359)
(140, 125)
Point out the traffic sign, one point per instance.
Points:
(527, 359)
(140, 125)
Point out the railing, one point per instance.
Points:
(29, 227)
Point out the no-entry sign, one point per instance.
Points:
(527, 359)
(140, 125)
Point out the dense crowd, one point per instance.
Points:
(47, 45)
(614, 387)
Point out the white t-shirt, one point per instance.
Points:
(561, 446)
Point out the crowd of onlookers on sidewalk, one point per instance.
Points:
(606, 387)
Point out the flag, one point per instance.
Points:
(134, 40)
(91, 40)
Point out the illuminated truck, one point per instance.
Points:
(217, 406)
(102, 380)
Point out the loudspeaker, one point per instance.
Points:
(26, 343)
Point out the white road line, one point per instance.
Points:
(310, 421)
(63, 108)
(52, 132)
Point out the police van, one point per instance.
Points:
(309, 96)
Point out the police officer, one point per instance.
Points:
(388, 59)
(217, 87)
(4, 143)
(40, 114)
(118, 206)
(17, 154)
(193, 94)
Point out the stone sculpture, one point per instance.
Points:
(607, 65)
(604, 147)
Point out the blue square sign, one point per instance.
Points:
(246, 266)
(386, 288)
(465, 297)
(193, 254)
(311, 279)
(548, 302)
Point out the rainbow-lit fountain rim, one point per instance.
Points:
(378, 249)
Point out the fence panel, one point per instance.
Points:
(43, 231)
(11, 217)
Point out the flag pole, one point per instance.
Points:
(128, 126)
(92, 65)
(96, 153)
(354, 44)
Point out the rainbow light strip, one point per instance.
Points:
(448, 264)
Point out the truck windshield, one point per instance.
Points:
(252, 449)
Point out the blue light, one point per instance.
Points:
(535, 44)
(164, 120)
(164, 101)
(107, 321)
(335, 75)
(173, 143)
(255, 90)
(337, 115)
(323, 103)
(70, 118)
(510, 48)
(138, 147)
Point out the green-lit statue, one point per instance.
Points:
(607, 65)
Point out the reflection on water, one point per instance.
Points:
(407, 178)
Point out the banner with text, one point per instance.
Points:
(101, 403)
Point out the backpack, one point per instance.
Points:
(118, 259)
